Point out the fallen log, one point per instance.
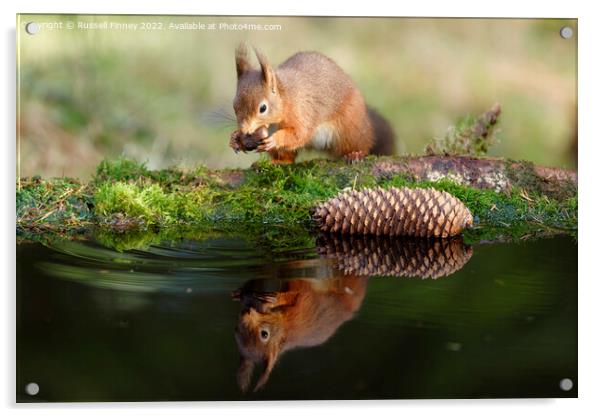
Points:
(125, 196)
(483, 173)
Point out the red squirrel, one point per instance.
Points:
(306, 102)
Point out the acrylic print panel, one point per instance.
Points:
(171, 171)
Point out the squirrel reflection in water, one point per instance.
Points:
(305, 312)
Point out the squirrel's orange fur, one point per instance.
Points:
(303, 313)
(307, 102)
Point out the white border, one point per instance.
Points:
(589, 150)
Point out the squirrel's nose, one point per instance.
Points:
(248, 127)
(244, 128)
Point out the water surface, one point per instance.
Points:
(347, 319)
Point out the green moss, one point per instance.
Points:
(286, 194)
(272, 204)
(149, 204)
(152, 203)
(58, 205)
(120, 169)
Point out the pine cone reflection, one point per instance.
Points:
(402, 257)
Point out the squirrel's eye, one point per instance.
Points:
(264, 334)
(263, 107)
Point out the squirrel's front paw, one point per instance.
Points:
(268, 144)
(265, 300)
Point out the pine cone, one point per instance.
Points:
(394, 212)
(402, 257)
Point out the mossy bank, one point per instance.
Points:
(127, 205)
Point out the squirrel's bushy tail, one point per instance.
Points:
(384, 138)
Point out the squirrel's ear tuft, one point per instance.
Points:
(242, 59)
(269, 77)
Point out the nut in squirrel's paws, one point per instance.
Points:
(235, 141)
(248, 142)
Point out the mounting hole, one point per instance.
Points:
(566, 384)
(566, 32)
(32, 388)
(32, 28)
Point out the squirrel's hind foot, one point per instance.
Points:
(354, 157)
(282, 157)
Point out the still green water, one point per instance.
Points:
(347, 319)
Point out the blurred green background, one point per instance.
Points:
(164, 96)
